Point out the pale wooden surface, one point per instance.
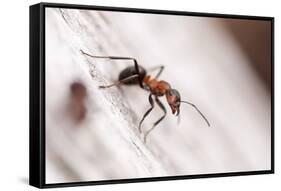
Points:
(202, 61)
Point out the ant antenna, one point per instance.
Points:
(198, 111)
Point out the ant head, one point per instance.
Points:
(174, 100)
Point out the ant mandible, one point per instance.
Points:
(137, 75)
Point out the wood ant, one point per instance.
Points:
(137, 75)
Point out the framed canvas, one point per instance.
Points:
(120, 95)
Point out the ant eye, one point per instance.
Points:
(170, 93)
(173, 92)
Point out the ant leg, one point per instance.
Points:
(120, 58)
(121, 81)
(160, 104)
(147, 112)
(161, 68)
(138, 73)
(160, 72)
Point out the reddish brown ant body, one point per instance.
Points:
(137, 75)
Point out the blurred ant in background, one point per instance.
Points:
(77, 107)
(137, 75)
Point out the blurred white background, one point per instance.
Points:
(204, 60)
(14, 98)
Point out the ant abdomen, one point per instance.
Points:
(131, 71)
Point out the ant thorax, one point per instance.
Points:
(158, 88)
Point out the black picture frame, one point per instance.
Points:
(37, 95)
